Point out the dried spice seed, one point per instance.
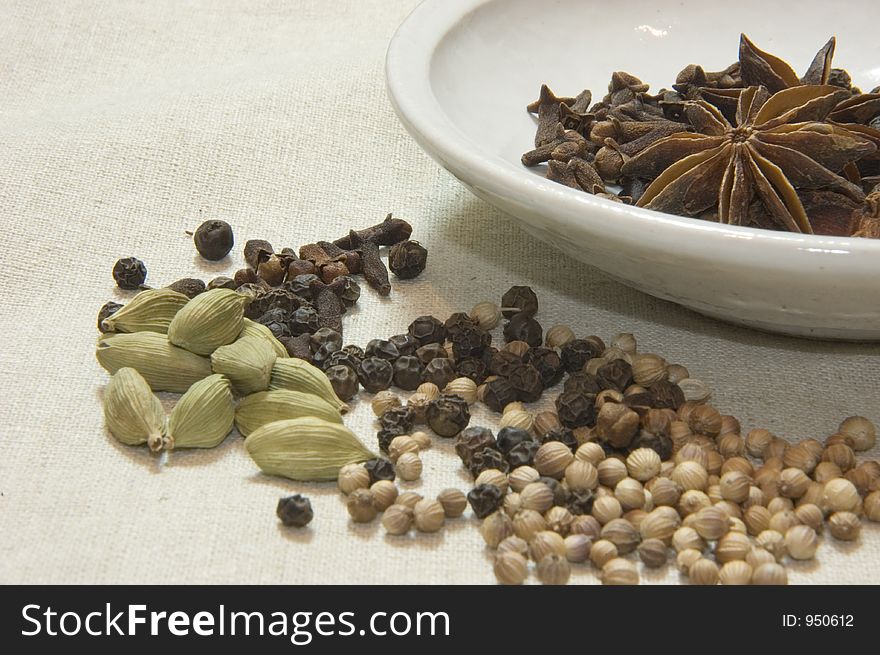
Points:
(575, 409)
(375, 374)
(408, 372)
(448, 415)
(295, 511)
(379, 469)
(344, 381)
(382, 349)
(404, 343)
(577, 352)
(519, 300)
(471, 367)
(487, 458)
(106, 311)
(526, 381)
(427, 329)
(129, 273)
(547, 362)
(582, 383)
(485, 499)
(498, 394)
(561, 435)
(407, 259)
(523, 454)
(510, 437)
(522, 327)
(213, 239)
(439, 371)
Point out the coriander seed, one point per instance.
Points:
(383, 401)
(361, 506)
(732, 546)
(422, 439)
(845, 526)
(559, 520)
(872, 506)
(619, 571)
(429, 515)
(409, 467)
(590, 452)
(703, 572)
(685, 538)
(602, 552)
(581, 475)
(527, 523)
(643, 464)
(352, 477)
(537, 496)
(577, 547)
(686, 559)
(840, 495)
(622, 534)
(384, 494)
(512, 504)
(495, 528)
(558, 335)
(546, 543)
(464, 388)
(554, 570)
(453, 502)
(522, 476)
(736, 572)
(493, 477)
(511, 568)
(860, 430)
(552, 459)
(611, 471)
(801, 542)
(810, 514)
(770, 573)
(400, 445)
(397, 519)
(408, 499)
(514, 544)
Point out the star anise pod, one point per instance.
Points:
(777, 144)
(552, 109)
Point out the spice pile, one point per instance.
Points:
(632, 462)
(754, 144)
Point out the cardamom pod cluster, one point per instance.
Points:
(298, 375)
(258, 409)
(132, 413)
(164, 366)
(307, 449)
(149, 311)
(210, 320)
(203, 416)
(247, 362)
(254, 329)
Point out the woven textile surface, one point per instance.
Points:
(122, 124)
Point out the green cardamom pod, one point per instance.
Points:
(133, 414)
(254, 329)
(203, 416)
(164, 367)
(298, 375)
(247, 362)
(256, 410)
(305, 448)
(149, 311)
(210, 320)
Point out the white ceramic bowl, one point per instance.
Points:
(460, 73)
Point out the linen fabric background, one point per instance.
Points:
(122, 124)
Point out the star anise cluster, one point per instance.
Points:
(754, 144)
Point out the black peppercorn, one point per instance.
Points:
(459, 322)
(470, 342)
(302, 285)
(266, 299)
(519, 299)
(504, 363)
(578, 352)
(485, 499)
(508, 437)
(547, 362)
(108, 309)
(666, 395)
(245, 276)
(382, 349)
(522, 327)
(580, 501)
(188, 286)
(404, 343)
(576, 409)
(659, 443)
(295, 511)
(471, 441)
(222, 282)
(471, 367)
(523, 454)
(616, 375)
(430, 351)
(304, 320)
(276, 321)
(323, 336)
(527, 383)
(213, 239)
(498, 394)
(347, 289)
(439, 371)
(427, 329)
(341, 358)
(447, 415)
(401, 419)
(487, 458)
(354, 350)
(562, 435)
(407, 259)
(379, 468)
(129, 273)
(343, 380)
(407, 372)
(324, 353)
(561, 493)
(375, 374)
(581, 382)
(256, 251)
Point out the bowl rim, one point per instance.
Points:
(408, 81)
